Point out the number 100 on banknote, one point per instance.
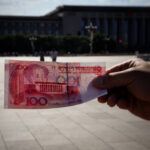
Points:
(33, 85)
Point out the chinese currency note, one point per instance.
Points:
(34, 85)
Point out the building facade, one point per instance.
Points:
(29, 25)
(129, 25)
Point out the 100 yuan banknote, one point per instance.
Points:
(31, 84)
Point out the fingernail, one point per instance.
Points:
(98, 82)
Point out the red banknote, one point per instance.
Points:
(30, 84)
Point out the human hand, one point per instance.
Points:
(128, 87)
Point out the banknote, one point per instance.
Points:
(33, 85)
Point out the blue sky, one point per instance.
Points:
(41, 7)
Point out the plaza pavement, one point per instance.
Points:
(89, 126)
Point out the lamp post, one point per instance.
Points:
(32, 40)
(91, 29)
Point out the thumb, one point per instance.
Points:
(114, 80)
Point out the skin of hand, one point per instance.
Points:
(128, 87)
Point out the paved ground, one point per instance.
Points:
(89, 126)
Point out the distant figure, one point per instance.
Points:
(54, 55)
(68, 52)
(41, 56)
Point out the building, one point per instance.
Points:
(127, 25)
(30, 25)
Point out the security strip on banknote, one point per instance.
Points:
(33, 85)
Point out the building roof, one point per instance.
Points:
(27, 18)
(99, 9)
(53, 15)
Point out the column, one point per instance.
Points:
(139, 33)
(101, 27)
(143, 32)
(84, 22)
(89, 21)
(125, 30)
(97, 24)
(119, 29)
(105, 26)
(148, 33)
(114, 30)
(109, 27)
(134, 30)
(130, 33)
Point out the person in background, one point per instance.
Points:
(128, 87)
(41, 56)
(53, 54)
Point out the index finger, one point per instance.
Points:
(120, 67)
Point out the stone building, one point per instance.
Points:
(128, 25)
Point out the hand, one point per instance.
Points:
(128, 87)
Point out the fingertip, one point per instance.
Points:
(112, 101)
(122, 103)
(102, 99)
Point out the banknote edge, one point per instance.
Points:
(6, 72)
(92, 63)
(101, 93)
